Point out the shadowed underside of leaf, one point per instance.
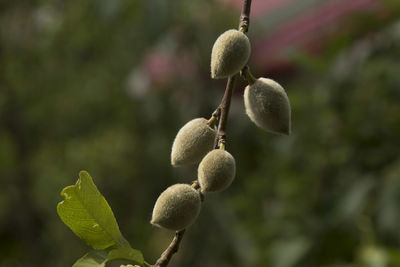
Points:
(129, 254)
(88, 214)
(99, 258)
(95, 258)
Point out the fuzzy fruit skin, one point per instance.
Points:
(230, 53)
(177, 207)
(192, 142)
(216, 171)
(267, 105)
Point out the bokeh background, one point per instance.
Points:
(104, 86)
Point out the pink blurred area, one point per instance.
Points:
(163, 65)
(158, 65)
(159, 68)
(260, 8)
(306, 28)
(278, 28)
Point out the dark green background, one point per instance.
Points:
(328, 195)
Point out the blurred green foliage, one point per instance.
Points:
(328, 195)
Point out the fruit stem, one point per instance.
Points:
(246, 74)
(222, 146)
(195, 184)
(214, 117)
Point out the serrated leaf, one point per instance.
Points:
(129, 254)
(95, 258)
(88, 214)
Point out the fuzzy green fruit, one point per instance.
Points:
(216, 171)
(177, 207)
(230, 53)
(267, 105)
(192, 142)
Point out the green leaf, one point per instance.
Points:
(129, 254)
(88, 214)
(95, 258)
(99, 258)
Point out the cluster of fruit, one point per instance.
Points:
(267, 105)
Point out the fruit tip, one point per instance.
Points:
(154, 223)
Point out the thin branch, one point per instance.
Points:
(222, 112)
(171, 249)
(245, 16)
(224, 106)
